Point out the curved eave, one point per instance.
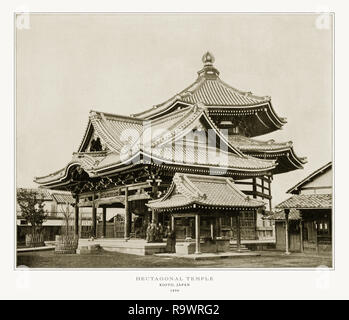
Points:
(286, 159)
(141, 157)
(53, 181)
(262, 117)
(196, 204)
(161, 110)
(144, 157)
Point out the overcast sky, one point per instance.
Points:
(122, 63)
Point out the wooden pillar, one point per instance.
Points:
(220, 227)
(94, 219)
(212, 229)
(238, 232)
(301, 232)
(104, 231)
(197, 233)
(255, 214)
(127, 217)
(172, 222)
(287, 249)
(80, 225)
(269, 187)
(316, 237)
(154, 216)
(262, 182)
(76, 211)
(254, 188)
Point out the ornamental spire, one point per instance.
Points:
(208, 59)
(208, 71)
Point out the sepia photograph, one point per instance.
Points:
(174, 140)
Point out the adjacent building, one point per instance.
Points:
(304, 221)
(57, 205)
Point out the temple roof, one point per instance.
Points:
(219, 97)
(109, 128)
(60, 198)
(188, 190)
(249, 144)
(210, 90)
(282, 152)
(130, 141)
(63, 198)
(307, 201)
(209, 103)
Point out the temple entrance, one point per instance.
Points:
(185, 228)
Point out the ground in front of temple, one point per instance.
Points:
(267, 259)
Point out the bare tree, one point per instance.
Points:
(67, 212)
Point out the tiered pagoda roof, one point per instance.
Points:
(228, 107)
(221, 99)
(188, 191)
(160, 136)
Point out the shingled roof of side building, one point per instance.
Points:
(207, 191)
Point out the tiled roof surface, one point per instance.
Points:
(187, 189)
(113, 129)
(158, 144)
(170, 126)
(307, 201)
(62, 198)
(202, 155)
(283, 152)
(214, 92)
(210, 92)
(248, 144)
(59, 197)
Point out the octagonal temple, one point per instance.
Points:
(205, 136)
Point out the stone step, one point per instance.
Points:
(235, 247)
(243, 248)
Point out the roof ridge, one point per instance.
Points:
(249, 94)
(190, 116)
(169, 115)
(103, 133)
(196, 85)
(85, 133)
(181, 188)
(192, 185)
(258, 140)
(221, 135)
(175, 97)
(118, 116)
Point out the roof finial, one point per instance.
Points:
(208, 71)
(208, 59)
